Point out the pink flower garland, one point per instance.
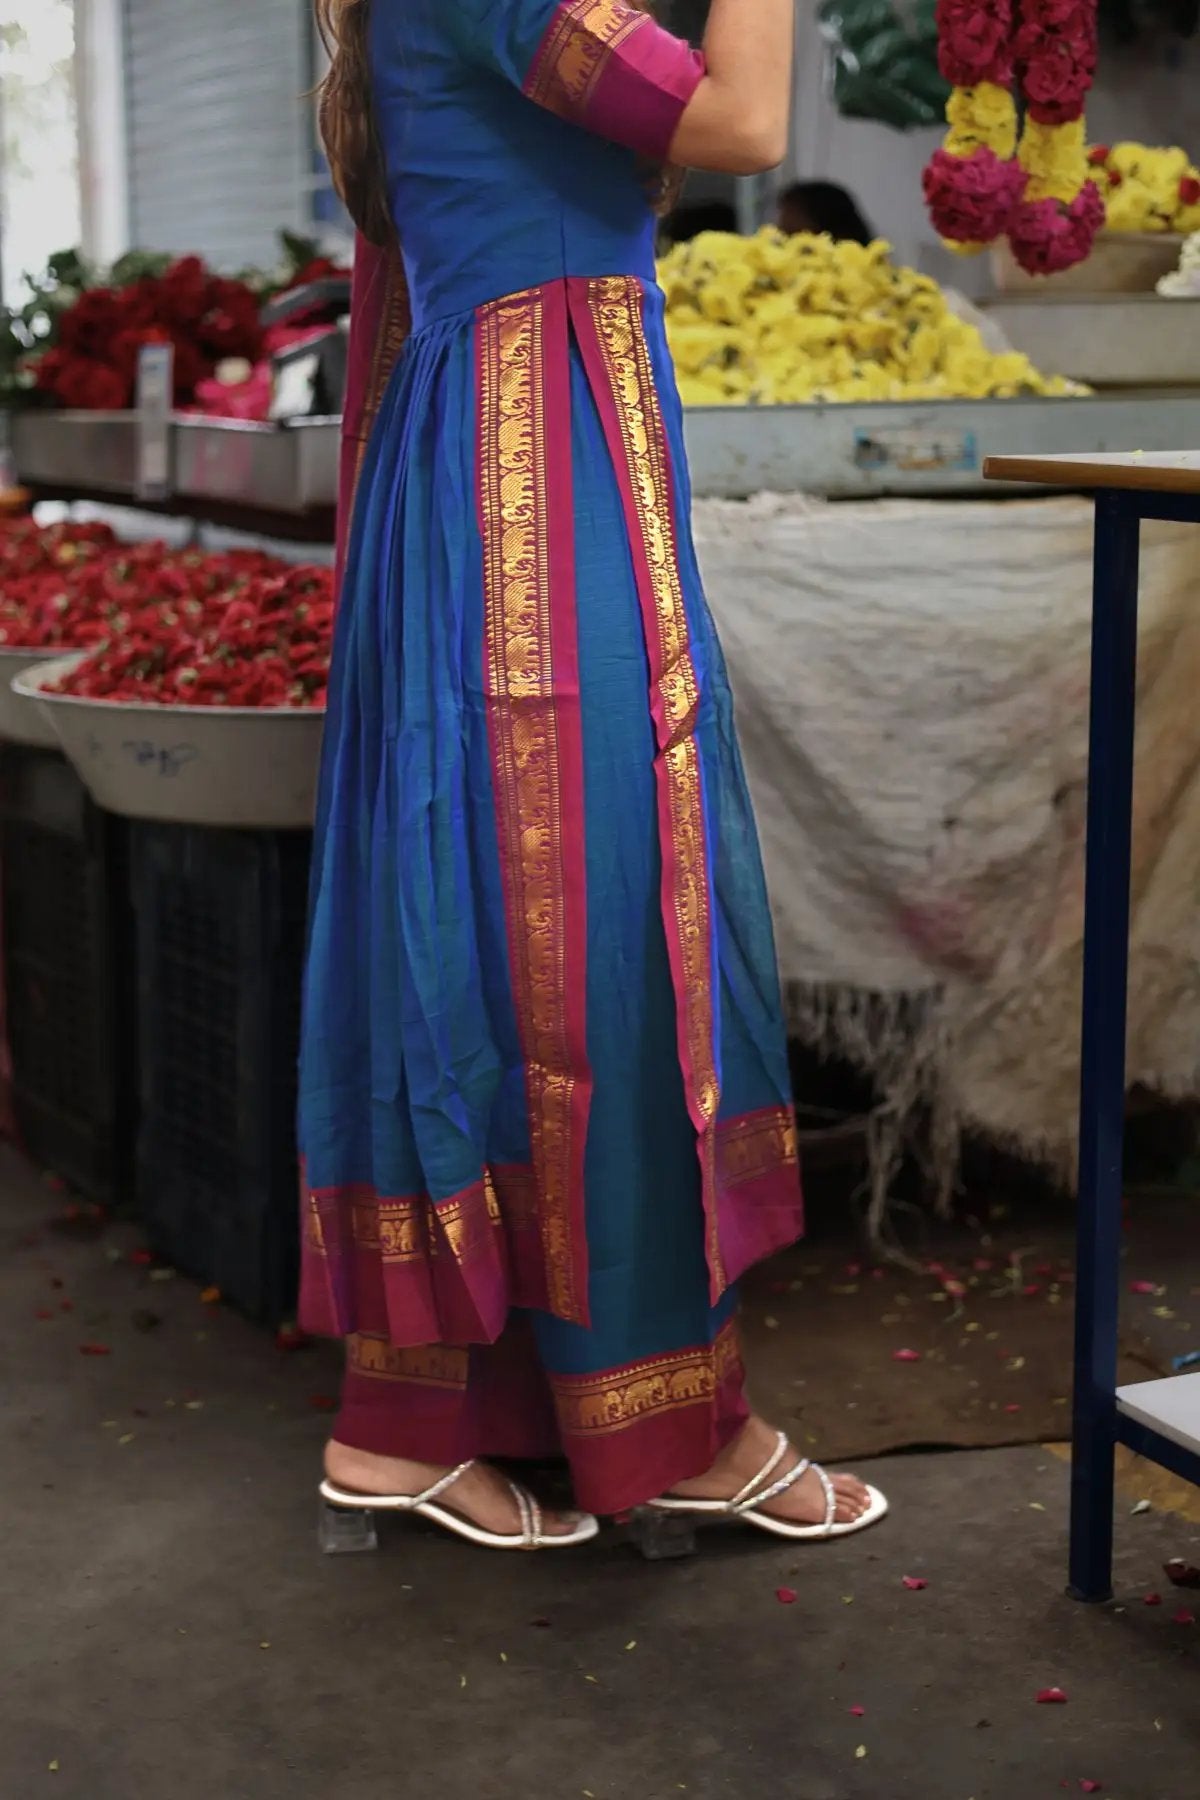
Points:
(970, 188)
(976, 189)
(1055, 52)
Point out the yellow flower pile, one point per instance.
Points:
(773, 320)
(1148, 190)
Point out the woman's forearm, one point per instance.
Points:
(737, 120)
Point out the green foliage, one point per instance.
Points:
(885, 61)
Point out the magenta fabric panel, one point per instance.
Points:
(608, 67)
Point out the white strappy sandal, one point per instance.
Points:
(747, 1506)
(348, 1521)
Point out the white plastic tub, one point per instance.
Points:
(253, 767)
(22, 720)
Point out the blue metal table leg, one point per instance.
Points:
(1102, 1096)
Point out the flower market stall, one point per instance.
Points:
(154, 882)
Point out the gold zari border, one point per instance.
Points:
(576, 52)
(757, 1145)
(527, 756)
(594, 1405)
(413, 1229)
(430, 1365)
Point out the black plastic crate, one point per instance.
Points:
(68, 971)
(220, 923)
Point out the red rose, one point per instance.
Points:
(89, 386)
(184, 292)
(89, 326)
(139, 305)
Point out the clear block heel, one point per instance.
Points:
(342, 1532)
(662, 1536)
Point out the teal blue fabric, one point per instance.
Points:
(412, 1078)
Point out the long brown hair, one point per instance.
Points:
(348, 125)
(348, 117)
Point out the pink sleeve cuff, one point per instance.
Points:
(616, 72)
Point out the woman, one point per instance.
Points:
(544, 1090)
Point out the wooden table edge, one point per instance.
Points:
(1081, 474)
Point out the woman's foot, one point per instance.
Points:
(482, 1495)
(801, 1504)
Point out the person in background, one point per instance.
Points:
(687, 222)
(825, 208)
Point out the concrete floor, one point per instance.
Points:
(170, 1633)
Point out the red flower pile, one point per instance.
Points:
(213, 631)
(166, 627)
(207, 318)
(42, 571)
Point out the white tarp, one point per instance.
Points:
(912, 688)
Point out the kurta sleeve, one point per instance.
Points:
(603, 64)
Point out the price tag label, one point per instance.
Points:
(913, 450)
(155, 394)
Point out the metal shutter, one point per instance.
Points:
(219, 131)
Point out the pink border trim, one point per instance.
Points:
(348, 1285)
(557, 660)
(568, 702)
(615, 71)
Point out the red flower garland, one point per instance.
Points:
(1055, 226)
(971, 198)
(1055, 53)
(975, 42)
(972, 183)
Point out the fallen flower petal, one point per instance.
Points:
(94, 1350)
(322, 1402)
(1151, 1599)
(210, 1296)
(858, 1712)
(1184, 1617)
(1090, 1787)
(1181, 1574)
(906, 1356)
(1051, 1696)
(1143, 1287)
(786, 1596)
(43, 1312)
(141, 1259)
(915, 1583)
